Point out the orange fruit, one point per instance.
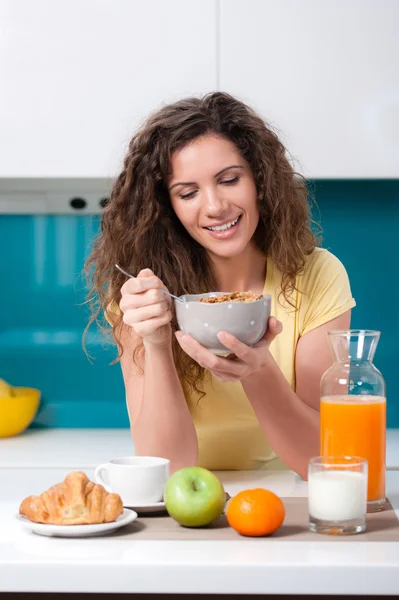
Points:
(255, 512)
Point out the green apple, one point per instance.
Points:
(194, 497)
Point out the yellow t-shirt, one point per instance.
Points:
(229, 434)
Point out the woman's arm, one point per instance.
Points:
(160, 420)
(290, 419)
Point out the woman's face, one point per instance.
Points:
(213, 193)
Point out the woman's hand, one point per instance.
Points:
(146, 309)
(247, 362)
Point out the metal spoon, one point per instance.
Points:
(163, 291)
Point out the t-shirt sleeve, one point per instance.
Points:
(325, 291)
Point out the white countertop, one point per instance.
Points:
(32, 462)
(86, 448)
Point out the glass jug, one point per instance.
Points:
(353, 407)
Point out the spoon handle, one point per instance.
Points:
(163, 291)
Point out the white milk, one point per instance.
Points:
(337, 495)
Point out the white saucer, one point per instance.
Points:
(153, 507)
(78, 530)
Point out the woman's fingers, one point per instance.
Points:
(152, 296)
(146, 328)
(144, 307)
(137, 285)
(274, 328)
(136, 315)
(239, 349)
(208, 360)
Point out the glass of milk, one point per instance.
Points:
(337, 494)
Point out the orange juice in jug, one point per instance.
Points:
(353, 407)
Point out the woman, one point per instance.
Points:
(206, 201)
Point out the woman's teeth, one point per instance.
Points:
(225, 226)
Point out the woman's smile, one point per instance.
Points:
(225, 230)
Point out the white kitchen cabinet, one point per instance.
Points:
(78, 76)
(325, 73)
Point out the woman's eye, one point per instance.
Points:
(230, 181)
(187, 196)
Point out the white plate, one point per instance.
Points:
(154, 507)
(78, 530)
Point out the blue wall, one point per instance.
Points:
(42, 312)
(360, 221)
(42, 320)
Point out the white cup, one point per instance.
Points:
(139, 480)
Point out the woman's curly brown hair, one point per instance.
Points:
(139, 228)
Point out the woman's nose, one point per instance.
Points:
(214, 204)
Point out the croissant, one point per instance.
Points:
(75, 501)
